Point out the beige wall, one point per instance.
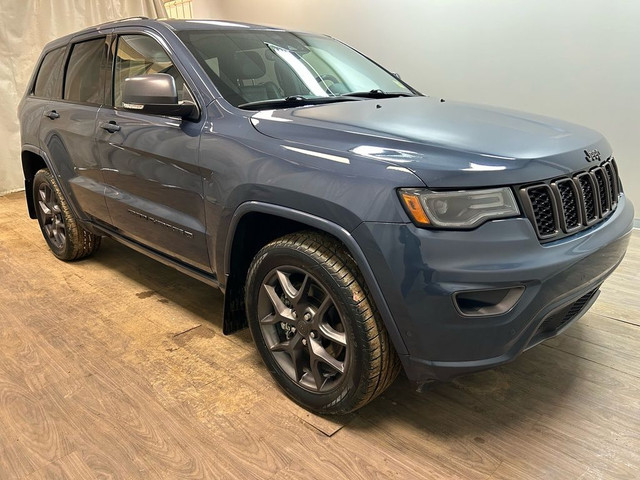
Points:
(578, 60)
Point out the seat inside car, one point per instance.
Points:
(246, 68)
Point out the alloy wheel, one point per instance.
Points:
(303, 329)
(51, 216)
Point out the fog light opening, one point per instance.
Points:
(476, 303)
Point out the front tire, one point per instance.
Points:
(314, 325)
(66, 238)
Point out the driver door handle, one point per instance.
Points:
(110, 127)
(52, 114)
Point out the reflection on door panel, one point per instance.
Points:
(69, 134)
(155, 193)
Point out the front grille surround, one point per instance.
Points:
(567, 198)
(566, 205)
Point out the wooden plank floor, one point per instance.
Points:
(116, 367)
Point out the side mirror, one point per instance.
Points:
(155, 94)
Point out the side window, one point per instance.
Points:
(82, 78)
(47, 82)
(142, 55)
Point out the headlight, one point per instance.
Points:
(463, 209)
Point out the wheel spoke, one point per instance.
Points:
(60, 233)
(43, 193)
(270, 319)
(282, 311)
(328, 332)
(287, 287)
(319, 353)
(293, 347)
(50, 199)
(297, 356)
(318, 316)
(280, 347)
(303, 290)
(45, 210)
(293, 294)
(318, 378)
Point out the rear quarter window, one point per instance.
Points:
(48, 83)
(82, 77)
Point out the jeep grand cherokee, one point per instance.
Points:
(355, 225)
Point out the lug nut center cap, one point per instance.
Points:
(304, 328)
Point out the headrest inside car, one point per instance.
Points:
(249, 65)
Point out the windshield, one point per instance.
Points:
(275, 69)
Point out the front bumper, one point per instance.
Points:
(420, 270)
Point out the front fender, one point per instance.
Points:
(331, 228)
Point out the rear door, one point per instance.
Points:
(47, 84)
(150, 162)
(67, 130)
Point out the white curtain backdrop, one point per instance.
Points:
(25, 27)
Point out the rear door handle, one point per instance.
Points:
(52, 114)
(110, 127)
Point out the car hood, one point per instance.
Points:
(441, 142)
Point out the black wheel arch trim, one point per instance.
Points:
(28, 183)
(331, 228)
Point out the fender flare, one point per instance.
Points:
(49, 164)
(337, 231)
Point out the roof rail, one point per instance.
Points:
(138, 17)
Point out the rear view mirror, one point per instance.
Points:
(155, 94)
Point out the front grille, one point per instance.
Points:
(570, 203)
(603, 190)
(567, 205)
(542, 206)
(587, 189)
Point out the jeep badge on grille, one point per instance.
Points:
(592, 155)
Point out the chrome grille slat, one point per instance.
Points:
(566, 205)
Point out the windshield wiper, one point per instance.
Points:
(289, 102)
(376, 93)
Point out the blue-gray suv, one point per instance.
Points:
(355, 225)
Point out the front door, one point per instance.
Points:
(150, 162)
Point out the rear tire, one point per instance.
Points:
(315, 326)
(66, 238)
